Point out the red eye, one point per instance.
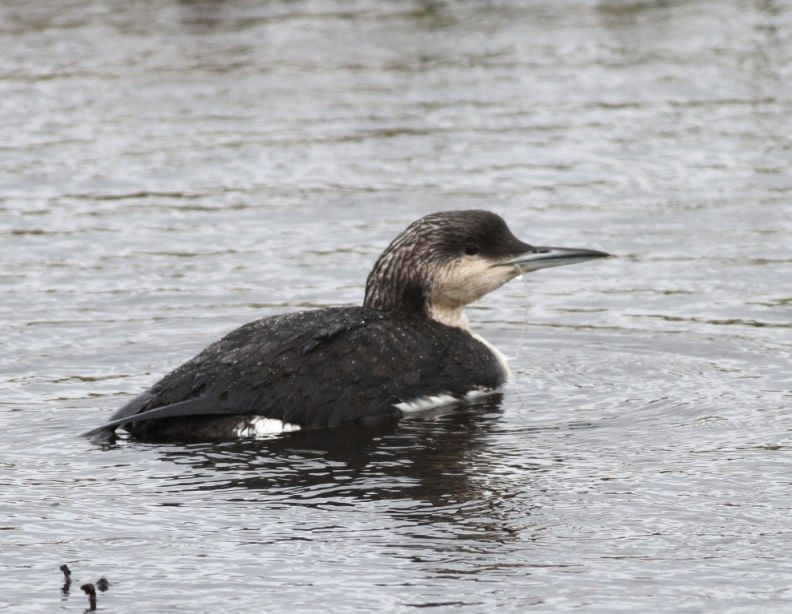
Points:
(471, 249)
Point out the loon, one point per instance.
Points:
(407, 348)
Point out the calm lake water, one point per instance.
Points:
(170, 170)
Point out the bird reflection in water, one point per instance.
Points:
(434, 466)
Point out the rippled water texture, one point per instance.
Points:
(170, 170)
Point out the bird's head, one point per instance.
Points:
(446, 260)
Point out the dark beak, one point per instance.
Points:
(545, 257)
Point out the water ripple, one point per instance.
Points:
(154, 196)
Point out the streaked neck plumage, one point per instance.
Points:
(413, 279)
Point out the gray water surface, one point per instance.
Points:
(170, 170)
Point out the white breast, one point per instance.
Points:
(499, 356)
(458, 319)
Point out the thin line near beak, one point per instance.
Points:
(546, 257)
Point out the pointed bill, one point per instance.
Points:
(545, 257)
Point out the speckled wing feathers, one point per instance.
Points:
(318, 368)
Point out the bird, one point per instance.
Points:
(408, 347)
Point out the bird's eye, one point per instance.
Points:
(471, 249)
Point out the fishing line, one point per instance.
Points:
(524, 327)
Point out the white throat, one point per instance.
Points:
(450, 316)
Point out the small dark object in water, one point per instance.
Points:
(90, 590)
(66, 579)
(102, 584)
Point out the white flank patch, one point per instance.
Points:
(439, 400)
(424, 403)
(261, 427)
(481, 392)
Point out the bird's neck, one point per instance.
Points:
(402, 296)
(450, 316)
(396, 284)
